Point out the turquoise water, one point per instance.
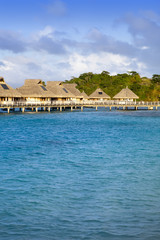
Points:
(81, 175)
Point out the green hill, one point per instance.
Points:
(147, 89)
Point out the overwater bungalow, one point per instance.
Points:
(85, 96)
(61, 93)
(8, 94)
(33, 91)
(99, 94)
(78, 96)
(125, 95)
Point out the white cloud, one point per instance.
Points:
(16, 68)
(144, 47)
(51, 56)
(96, 63)
(7, 66)
(47, 31)
(49, 68)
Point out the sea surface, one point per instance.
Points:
(91, 175)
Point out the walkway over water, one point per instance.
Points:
(59, 105)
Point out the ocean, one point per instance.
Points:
(91, 175)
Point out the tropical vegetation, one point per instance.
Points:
(148, 89)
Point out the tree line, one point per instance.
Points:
(148, 89)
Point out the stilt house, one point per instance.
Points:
(7, 93)
(99, 94)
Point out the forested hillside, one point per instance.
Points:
(147, 89)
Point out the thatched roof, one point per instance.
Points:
(99, 94)
(34, 88)
(59, 90)
(32, 81)
(84, 94)
(125, 93)
(54, 83)
(7, 91)
(72, 88)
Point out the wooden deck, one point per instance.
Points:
(60, 106)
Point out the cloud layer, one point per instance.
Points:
(57, 55)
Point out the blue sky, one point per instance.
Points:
(58, 39)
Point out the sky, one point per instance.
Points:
(56, 40)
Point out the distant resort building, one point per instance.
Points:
(33, 90)
(98, 94)
(34, 95)
(125, 95)
(60, 92)
(7, 93)
(78, 95)
(85, 96)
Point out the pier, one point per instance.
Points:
(34, 96)
(60, 106)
